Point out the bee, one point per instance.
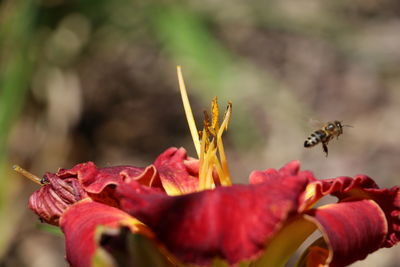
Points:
(325, 134)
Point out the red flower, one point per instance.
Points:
(235, 223)
(193, 215)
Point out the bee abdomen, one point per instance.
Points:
(314, 138)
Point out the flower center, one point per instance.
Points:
(213, 167)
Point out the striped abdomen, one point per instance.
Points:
(315, 138)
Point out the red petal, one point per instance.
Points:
(353, 229)
(389, 201)
(178, 171)
(94, 179)
(100, 183)
(290, 169)
(362, 187)
(79, 224)
(233, 223)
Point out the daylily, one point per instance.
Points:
(189, 209)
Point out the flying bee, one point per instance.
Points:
(325, 134)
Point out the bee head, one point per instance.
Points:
(340, 126)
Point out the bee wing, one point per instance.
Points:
(315, 123)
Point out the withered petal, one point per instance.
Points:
(51, 200)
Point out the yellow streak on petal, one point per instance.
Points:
(137, 226)
(188, 111)
(171, 189)
(308, 195)
(28, 175)
(285, 243)
(310, 191)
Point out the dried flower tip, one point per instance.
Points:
(30, 176)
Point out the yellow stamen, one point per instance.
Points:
(188, 111)
(211, 141)
(219, 170)
(205, 166)
(201, 160)
(207, 126)
(210, 159)
(208, 170)
(227, 116)
(225, 179)
(28, 175)
(214, 114)
(209, 177)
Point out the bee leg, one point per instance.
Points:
(325, 148)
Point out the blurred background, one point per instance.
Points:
(95, 80)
